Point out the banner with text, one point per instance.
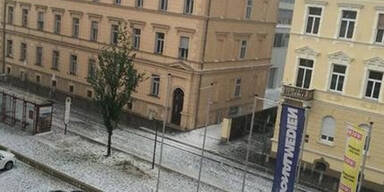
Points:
(352, 159)
(291, 131)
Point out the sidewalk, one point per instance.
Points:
(218, 171)
(84, 161)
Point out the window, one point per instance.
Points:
(75, 27)
(233, 111)
(117, 2)
(159, 44)
(367, 141)
(184, 47)
(271, 78)
(338, 78)
(243, 49)
(304, 74)
(91, 68)
(89, 93)
(285, 16)
(23, 52)
(53, 83)
(139, 3)
(155, 85)
(9, 48)
(237, 87)
(373, 84)
(114, 34)
(24, 18)
(188, 6)
(55, 59)
(136, 38)
(163, 5)
(40, 21)
(248, 9)
(328, 129)
(380, 29)
(39, 55)
(8, 70)
(37, 78)
(281, 40)
(10, 15)
(71, 88)
(57, 27)
(73, 65)
(94, 30)
(347, 26)
(313, 20)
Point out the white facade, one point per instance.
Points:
(279, 52)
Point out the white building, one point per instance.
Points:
(279, 51)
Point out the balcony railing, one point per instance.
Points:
(298, 93)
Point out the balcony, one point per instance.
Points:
(297, 93)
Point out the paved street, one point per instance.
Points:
(23, 178)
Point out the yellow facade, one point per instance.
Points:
(357, 53)
(213, 56)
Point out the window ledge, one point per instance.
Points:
(155, 96)
(329, 144)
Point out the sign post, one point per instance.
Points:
(288, 152)
(68, 102)
(365, 156)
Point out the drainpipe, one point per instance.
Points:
(205, 37)
(4, 24)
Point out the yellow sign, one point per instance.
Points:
(352, 159)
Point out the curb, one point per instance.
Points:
(53, 172)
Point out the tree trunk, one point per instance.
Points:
(109, 143)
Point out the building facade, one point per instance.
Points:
(335, 65)
(185, 44)
(279, 52)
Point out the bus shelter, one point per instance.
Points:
(32, 113)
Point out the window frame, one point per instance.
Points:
(376, 29)
(72, 64)
(55, 60)
(184, 52)
(57, 23)
(136, 38)
(163, 5)
(10, 15)
(338, 29)
(9, 50)
(75, 27)
(338, 75)
(155, 85)
(24, 17)
(307, 17)
(329, 139)
(139, 3)
(91, 67)
(94, 31)
(23, 51)
(237, 87)
(375, 81)
(243, 49)
(305, 68)
(114, 38)
(248, 9)
(40, 20)
(188, 7)
(39, 56)
(159, 42)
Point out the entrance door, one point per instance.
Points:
(178, 102)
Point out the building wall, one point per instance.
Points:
(359, 54)
(226, 23)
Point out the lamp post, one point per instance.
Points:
(154, 146)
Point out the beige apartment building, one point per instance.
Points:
(335, 65)
(188, 43)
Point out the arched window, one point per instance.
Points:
(366, 145)
(328, 129)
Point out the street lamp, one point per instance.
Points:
(154, 147)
